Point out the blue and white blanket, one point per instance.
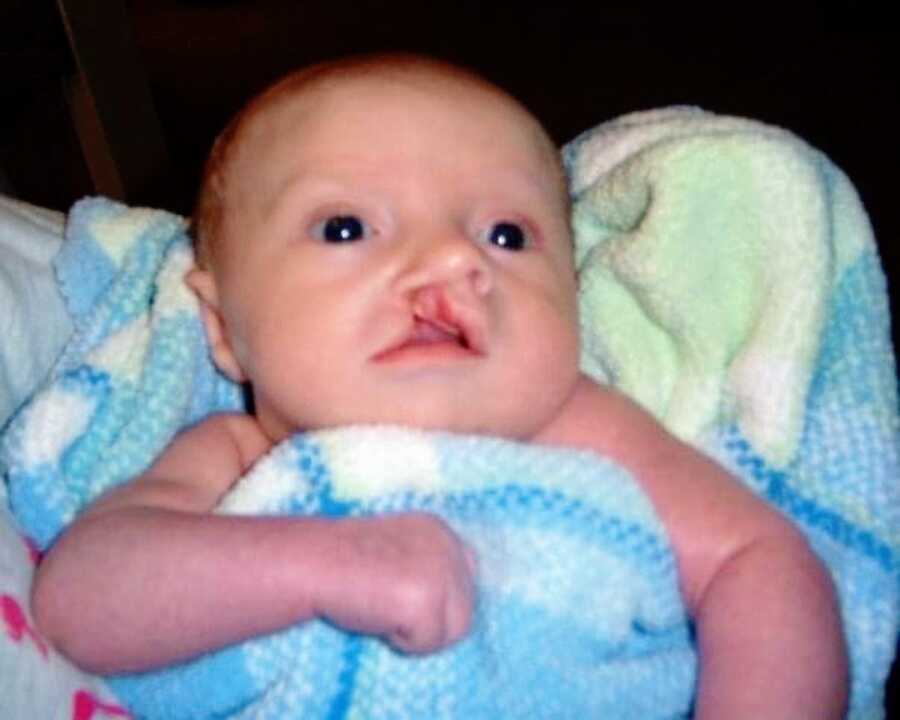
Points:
(729, 282)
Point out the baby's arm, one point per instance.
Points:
(770, 639)
(148, 576)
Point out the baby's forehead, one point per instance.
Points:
(379, 82)
(376, 84)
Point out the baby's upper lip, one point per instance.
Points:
(442, 322)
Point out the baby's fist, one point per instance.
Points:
(408, 578)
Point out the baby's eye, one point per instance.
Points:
(508, 236)
(342, 229)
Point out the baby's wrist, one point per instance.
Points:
(345, 561)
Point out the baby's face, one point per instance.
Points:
(398, 252)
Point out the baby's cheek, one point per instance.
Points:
(555, 320)
(548, 369)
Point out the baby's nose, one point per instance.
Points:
(453, 261)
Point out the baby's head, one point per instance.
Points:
(386, 240)
(429, 74)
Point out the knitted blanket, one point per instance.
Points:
(729, 282)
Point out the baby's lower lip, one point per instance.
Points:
(428, 342)
(429, 352)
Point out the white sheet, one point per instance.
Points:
(33, 320)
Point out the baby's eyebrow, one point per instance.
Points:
(308, 186)
(520, 188)
(332, 173)
(528, 189)
(543, 178)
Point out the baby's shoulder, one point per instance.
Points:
(600, 418)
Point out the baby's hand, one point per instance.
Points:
(407, 578)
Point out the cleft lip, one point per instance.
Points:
(439, 327)
(434, 331)
(459, 321)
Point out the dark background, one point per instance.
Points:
(823, 70)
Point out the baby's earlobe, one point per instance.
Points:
(204, 286)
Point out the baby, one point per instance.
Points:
(386, 240)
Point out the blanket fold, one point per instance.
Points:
(729, 282)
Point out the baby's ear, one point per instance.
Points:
(203, 284)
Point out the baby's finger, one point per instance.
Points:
(419, 639)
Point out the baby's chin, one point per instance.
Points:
(505, 414)
(519, 424)
(405, 418)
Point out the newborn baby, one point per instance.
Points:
(386, 240)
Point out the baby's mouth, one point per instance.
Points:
(431, 332)
(435, 336)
